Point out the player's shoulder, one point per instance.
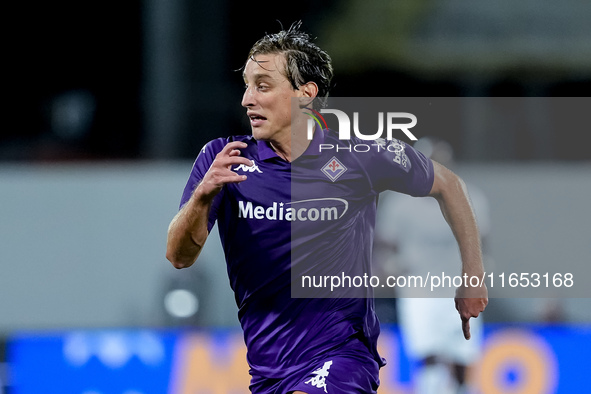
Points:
(332, 137)
(377, 144)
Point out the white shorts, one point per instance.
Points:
(432, 327)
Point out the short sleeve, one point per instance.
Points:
(399, 167)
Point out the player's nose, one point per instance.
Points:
(248, 99)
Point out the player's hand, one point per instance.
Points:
(470, 302)
(220, 172)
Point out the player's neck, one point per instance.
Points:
(291, 150)
(299, 144)
(293, 146)
(282, 150)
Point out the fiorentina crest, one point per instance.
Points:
(334, 169)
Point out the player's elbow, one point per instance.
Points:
(179, 263)
(182, 251)
(179, 260)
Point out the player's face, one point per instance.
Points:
(268, 97)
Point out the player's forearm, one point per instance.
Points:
(187, 232)
(452, 195)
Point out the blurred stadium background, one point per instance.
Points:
(109, 103)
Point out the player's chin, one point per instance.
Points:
(260, 134)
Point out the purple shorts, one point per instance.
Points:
(350, 370)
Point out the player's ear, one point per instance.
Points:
(308, 93)
(310, 89)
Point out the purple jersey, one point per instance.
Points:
(321, 209)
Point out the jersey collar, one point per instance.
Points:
(266, 152)
(314, 147)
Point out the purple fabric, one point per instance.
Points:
(334, 206)
(351, 369)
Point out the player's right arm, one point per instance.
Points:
(188, 230)
(452, 195)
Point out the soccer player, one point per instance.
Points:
(282, 203)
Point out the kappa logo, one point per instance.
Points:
(319, 381)
(334, 169)
(252, 168)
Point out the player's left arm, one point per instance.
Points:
(452, 195)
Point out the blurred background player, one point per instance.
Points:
(422, 242)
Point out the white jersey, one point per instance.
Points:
(430, 326)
